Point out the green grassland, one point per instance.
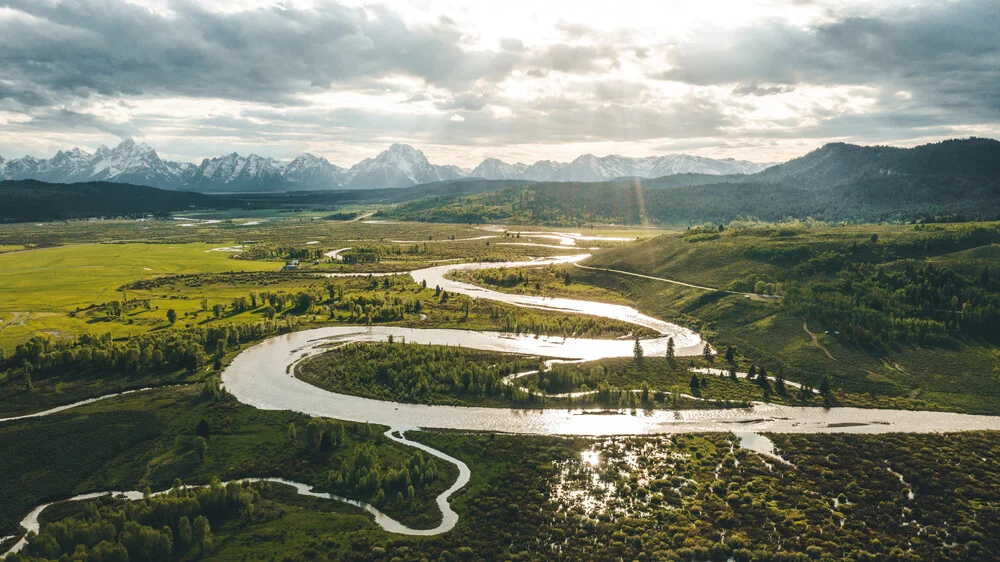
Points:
(42, 287)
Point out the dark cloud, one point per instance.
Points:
(947, 56)
(77, 48)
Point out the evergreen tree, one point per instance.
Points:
(824, 386)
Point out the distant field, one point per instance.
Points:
(42, 286)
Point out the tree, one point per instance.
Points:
(200, 445)
(824, 386)
(313, 434)
(670, 349)
(779, 386)
(202, 532)
(184, 532)
(171, 316)
(202, 429)
(637, 351)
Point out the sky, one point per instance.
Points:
(762, 80)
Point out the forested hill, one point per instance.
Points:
(31, 200)
(836, 182)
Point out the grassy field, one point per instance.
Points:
(43, 286)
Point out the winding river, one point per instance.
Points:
(261, 376)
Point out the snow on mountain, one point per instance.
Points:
(589, 168)
(543, 170)
(233, 172)
(126, 163)
(309, 171)
(495, 169)
(134, 163)
(400, 165)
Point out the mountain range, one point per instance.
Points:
(398, 166)
(838, 182)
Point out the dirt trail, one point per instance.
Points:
(815, 341)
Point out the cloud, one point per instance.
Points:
(285, 77)
(77, 48)
(948, 56)
(754, 89)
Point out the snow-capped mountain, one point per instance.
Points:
(126, 163)
(233, 172)
(135, 163)
(588, 168)
(309, 171)
(495, 169)
(399, 166)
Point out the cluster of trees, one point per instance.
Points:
(368, 254)
(883, 306)
(374, 307)
(281, 252)
(577, 325)
(175, 349)
(362, 475)
(158, 528)
(411, 372)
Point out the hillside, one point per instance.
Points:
(837, 182)
(32, 200)
(896, 310)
